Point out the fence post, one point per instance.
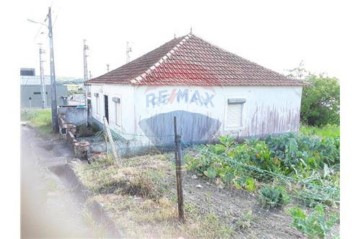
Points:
(178, 159)
(108, 132)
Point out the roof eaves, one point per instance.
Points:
(137, 80)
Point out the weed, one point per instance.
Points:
(315, 225)
(329, 130)
(245, 221)
(271, 197)
(84, 131)
(39, 118)
(211, 227)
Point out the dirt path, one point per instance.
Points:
(48, 208)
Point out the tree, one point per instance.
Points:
(320, 103)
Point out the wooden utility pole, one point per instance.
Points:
(85, 56)
(55, 124)
(178, 159)
(108, 132)
(42, 79)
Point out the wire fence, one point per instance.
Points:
(313, 188)
(310, 189)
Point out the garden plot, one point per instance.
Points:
(140, 197)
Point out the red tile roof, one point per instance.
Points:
(189, 60)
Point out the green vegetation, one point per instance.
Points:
(38, 118)
(245, 221)
(315, 225)
(329, 130)
(321, 101)
(301, 169)
(272, 197)
(320, 104)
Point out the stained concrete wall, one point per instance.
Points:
(201, 111)
(74, 114)
(127, 102)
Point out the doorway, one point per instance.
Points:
(106, 107)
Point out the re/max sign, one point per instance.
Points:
(164, 97)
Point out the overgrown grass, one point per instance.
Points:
(138, 197)
(326, 131)
(38, 118)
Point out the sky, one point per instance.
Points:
(276, 34)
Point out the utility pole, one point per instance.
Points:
(55, 124)
(85, 54)
(43, 86)
(128, 50)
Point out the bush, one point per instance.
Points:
(320, 103)
(272, 197)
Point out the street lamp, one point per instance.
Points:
(55, 124)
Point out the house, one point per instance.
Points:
(211, 91)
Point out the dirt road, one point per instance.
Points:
(48, 208)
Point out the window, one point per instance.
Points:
(234, 114)
(27, 72)
(117, 104)
(97, 103)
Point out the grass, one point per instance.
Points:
(139, 196)
(326, 131)
(38, 118)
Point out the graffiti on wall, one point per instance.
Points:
(181, 96)
(193, 127)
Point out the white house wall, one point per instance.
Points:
(126, 95)
(202, 111)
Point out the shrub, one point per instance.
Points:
(320, 103)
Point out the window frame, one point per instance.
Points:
(234, 100)
(117, 100)
(97, 103)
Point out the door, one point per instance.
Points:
(106, 107)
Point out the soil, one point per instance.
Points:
(230, 205)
